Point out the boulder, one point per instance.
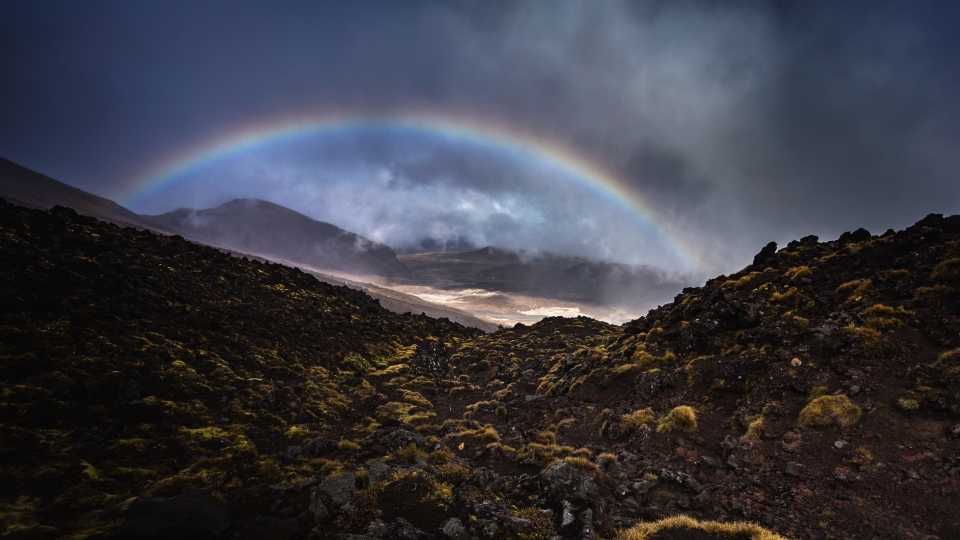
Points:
(194, 512)
(401, 438)
(335, 495)
(452, 529)
(315, 448)
(562, 482)
(768, 251)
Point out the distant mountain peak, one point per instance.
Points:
(272, 230)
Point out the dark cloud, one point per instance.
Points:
(738, 122)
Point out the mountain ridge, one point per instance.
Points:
(273, 230)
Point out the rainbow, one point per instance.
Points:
(492, 135)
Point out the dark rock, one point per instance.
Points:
(335, 495)
(195, 512)
(90, 451)
(703, 500)
(707, 462)
(650, 513)
(140, 411)
(765, 254)
(564, 483)
(401, 438)
(315, 448)
(858, 235)
(794, 469)
(271, 528)
(452, 529)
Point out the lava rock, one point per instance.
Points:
(194, 512)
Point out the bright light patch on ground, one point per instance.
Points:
(553, 312)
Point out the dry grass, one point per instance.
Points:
(683, 418)
(633, 421)
(854, 289)
(908, 404)
(395, 369)
(881, 316)
(798, 272)
(415, 398)
(828, 410)
(869, 340)
(581, 463)
(949, 364)
(947, 271)
(755, 430)
(347, 445)
(738, 529)
(931, 296)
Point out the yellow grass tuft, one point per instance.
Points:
(947, 271)
(395, 369)
(828, 410)
(738, 530)
(633, 421)
(854, 289)
(347, 445)
(755, 430)
(415, 398)
(683, 418)
(581, 463)
(798, 272)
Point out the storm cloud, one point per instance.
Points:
(737, 122)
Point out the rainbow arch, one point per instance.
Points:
(174, 167)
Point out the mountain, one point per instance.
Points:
(25, 187)
(156, 388)
(271, 230)
(31, 189)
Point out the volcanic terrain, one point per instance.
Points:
(155, 388)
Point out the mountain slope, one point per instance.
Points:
(153, 388)
(28, 188)
(271, 230)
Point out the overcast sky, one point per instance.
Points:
(737, 122)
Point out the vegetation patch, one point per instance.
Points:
(682, 418)
(828, 410)
(683, 527)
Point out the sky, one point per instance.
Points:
(715, 126)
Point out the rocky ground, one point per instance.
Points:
(155, 388)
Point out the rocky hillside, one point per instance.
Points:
(271, 230)
(154, 388)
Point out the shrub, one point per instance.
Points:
(395, 369)
(580, 463)
(854, 289)
(908, 404)
(798, 272)
(347, 445)
(501, 412)
(827, 410)
(755, 430)
(633, 421)
(415, 398)
(931, 296)
(683, 418)
(881, 316)
(947, 271)
(710, 529)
